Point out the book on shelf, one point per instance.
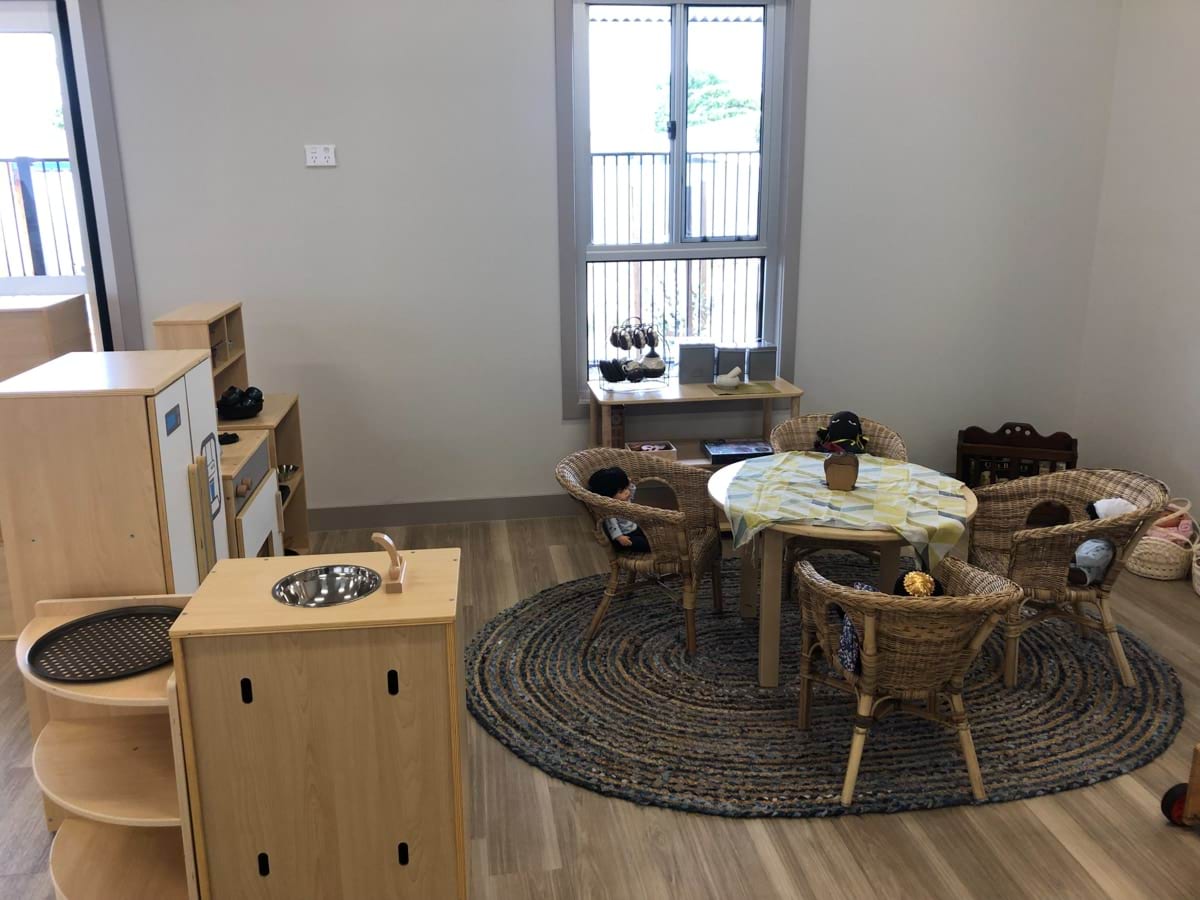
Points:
(735, 450)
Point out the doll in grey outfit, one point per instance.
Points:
(625, 535)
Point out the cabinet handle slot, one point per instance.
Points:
(393, 682)
(402, 852)
(248, 695)
(264, 865)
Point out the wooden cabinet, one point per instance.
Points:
(322, 745)
(34, 330)
(217, 326)
(100, 488)
(253, 511)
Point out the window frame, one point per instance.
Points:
(785, 63)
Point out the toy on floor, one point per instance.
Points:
(625, 535)
(1181, 804)
(1093, 557)
(844, 434)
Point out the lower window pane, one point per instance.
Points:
(719, 299)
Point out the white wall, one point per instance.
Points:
(410, 294)
(1139, 397)
(952, 177)
(954, 158)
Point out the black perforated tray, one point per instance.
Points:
(105, 646)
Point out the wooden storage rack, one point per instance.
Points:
(110, 764)
(217, 326)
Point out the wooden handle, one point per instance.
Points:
(386, 543)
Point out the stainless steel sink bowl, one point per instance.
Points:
(326, 586)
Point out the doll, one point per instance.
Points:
(1093, 557)
(625, 535)
(844, 434)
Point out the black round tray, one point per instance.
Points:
(105, 646)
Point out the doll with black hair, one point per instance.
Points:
(627, 536)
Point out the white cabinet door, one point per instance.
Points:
(259, 519)
(170, 409)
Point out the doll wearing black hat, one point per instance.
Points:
(844, 434)
(625, 535)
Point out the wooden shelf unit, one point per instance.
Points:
(95, 861)
(280, 417)
(609, 412)
(117, 769)
(120, 774)
(217, 326)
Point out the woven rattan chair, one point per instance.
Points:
(1038, 558)
(685, 541)
(914, 650)
(800, 433)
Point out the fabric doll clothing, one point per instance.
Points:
(1094, 557)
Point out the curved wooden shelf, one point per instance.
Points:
(91, 861)
(117, 769)
(147, 689)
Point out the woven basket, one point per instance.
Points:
(1196, 570)
(1154, 557)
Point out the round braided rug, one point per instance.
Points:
(633, 717)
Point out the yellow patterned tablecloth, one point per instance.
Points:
(924, 507)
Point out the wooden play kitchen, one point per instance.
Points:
(253, 511)
(322, 741)
(295, 746)
(218, 327)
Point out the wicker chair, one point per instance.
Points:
(1038, 558)
(800, 433)
(913, 651)
(685, 541)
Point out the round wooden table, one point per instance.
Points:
(770, 588)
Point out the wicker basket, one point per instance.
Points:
(1154, 557)
(1196, 569)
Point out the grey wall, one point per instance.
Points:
(954, 160)
(1139, 396)
(952, 177)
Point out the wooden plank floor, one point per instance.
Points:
(534, 837)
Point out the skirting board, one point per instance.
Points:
(441, 511)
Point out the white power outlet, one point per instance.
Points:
(319, 155)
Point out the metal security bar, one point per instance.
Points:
(717, 298)
(39, 221)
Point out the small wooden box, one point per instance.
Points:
(322, 745)
(662, 449)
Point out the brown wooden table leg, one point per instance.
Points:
(594, 423)
(770, 602)
(795, 407)
(748, 601)
(768, 419)
(889, 566)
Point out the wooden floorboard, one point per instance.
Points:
(532, 836)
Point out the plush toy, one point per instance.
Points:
(918, 584)
(1093, 557)
(844, 434)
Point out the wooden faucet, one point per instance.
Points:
(393, 583)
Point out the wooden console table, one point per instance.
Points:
(608, 410)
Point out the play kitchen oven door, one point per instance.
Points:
(189, 478)
(254, 509)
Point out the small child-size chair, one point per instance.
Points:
(914, 650)
(1038, 559)
(685, 541)
(800, 433)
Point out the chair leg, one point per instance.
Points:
(1079, 626)
(1114, 641)
(861, 723)
(968, 746)
(689, 616)
(806, 654)
(619, 585)
(1012, 646)
(718, 597)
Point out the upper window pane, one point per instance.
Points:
(725, 46)
(629, 89)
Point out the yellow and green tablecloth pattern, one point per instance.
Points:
(925, 507)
